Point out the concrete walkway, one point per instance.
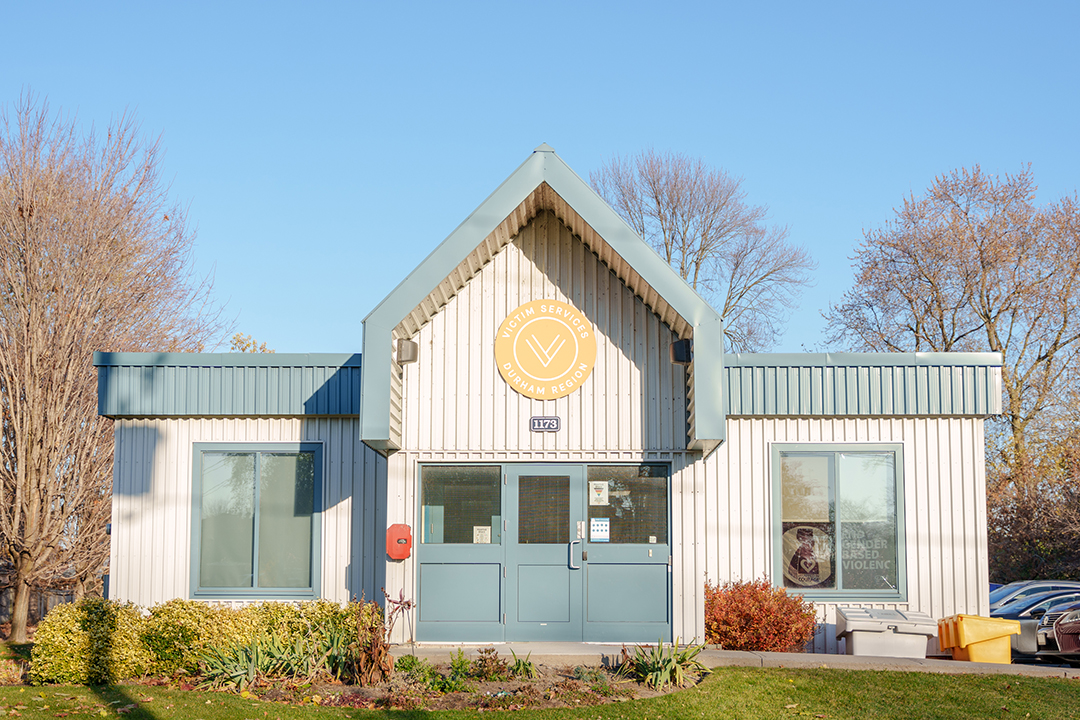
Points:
(570, 654)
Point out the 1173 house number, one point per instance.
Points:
(544, 424)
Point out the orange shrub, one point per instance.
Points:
(755, 615)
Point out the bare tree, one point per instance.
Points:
(93, 256)
(975, 264)
(699, 221)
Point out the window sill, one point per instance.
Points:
(242, 595)
(851, 596)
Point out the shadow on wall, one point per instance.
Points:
(327, 401)
(351, 470)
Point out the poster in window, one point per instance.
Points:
(868, 555)
(808, 556)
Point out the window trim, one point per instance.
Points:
(198, 592)
(901, 592)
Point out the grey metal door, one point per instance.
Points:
(627, 552)
(543, 552)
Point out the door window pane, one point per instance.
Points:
(543, 509)
(633, 498)
(461, 504)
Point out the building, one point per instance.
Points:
(545, 406)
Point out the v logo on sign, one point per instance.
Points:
(545, 355)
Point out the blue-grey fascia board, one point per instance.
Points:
(543, 165)
(709, 418)
(151, 359)
(375, 386)
(927, 359)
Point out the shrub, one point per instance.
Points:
(489, 666)
(755, 615)
(93, 642)
(662, 665)
(175, 633)
(524, 668)
(13, 671)
(98, 641)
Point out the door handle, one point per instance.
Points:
(572, 565)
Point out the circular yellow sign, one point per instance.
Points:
(545, 349)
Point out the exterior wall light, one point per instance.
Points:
(407, 351)
(682, 352)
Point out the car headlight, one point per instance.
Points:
(1070, 616)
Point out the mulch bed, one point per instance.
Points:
(556, 687)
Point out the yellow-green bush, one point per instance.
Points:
(177, 632)
(93, 642)
(74, 641)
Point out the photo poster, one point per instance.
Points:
(809, 555)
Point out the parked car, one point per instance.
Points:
(1023, 588)
(1029, 609)
(1067, 631)
(1045, 636)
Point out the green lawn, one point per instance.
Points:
(736, 693)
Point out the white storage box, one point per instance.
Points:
(885, 633)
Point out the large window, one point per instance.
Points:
(255, 520)
(839, 520)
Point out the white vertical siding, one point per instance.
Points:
(944, 500)
(455, 398)
(151, 541)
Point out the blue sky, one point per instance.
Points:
(323, 149)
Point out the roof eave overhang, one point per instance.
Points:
(544, 166)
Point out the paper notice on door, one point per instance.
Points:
(599, 530)
(481, 534)
(598, 492)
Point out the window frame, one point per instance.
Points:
(256, 593)
(836, 449)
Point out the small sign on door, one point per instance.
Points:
(599, 530)
(598, 492)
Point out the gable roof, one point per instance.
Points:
(543, 182)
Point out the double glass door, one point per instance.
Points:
(544, 552)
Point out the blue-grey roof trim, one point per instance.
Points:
(863, 385)
(542, 166)
(863, 359)
(227, 385)
(229, 359)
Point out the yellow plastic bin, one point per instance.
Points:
(978, 639)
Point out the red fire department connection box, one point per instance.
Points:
(398, 541)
